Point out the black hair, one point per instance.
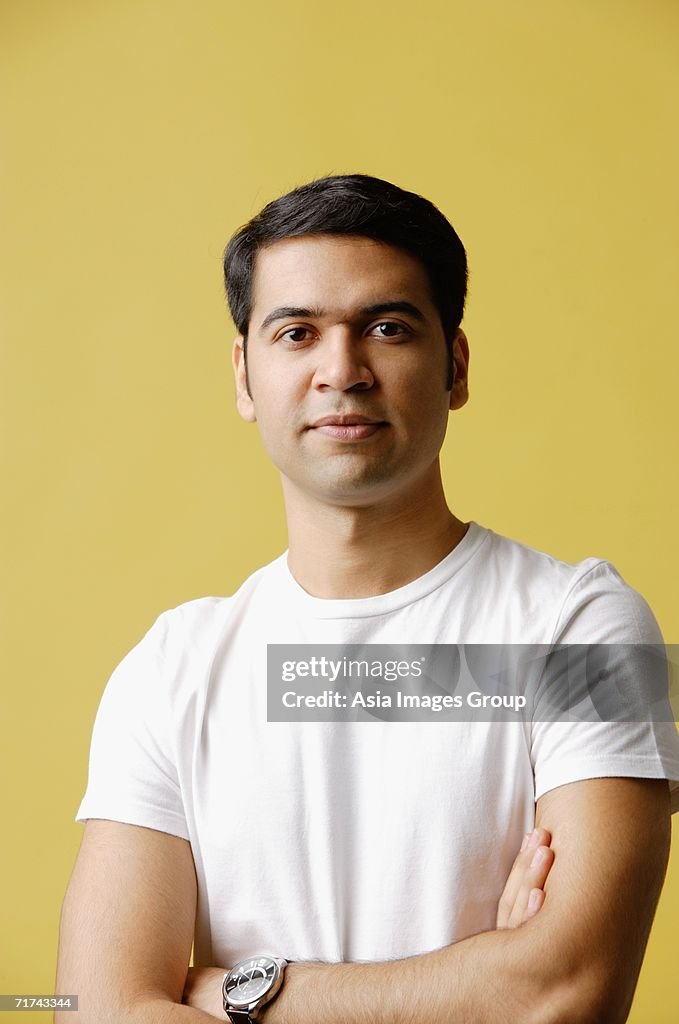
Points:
(354, 204)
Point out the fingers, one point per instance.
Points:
(516, 875)
(533, 878)
(536, 898)
(529, 872)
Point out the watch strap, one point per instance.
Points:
(239, 1016)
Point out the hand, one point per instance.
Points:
(523, 893)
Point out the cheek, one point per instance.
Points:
(423, 390)
(276, 382)
(428, 408)
(277, 407)
(423, 370)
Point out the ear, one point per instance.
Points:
(244, 402)
(460, 390)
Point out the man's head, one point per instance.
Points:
(346, 323)
(359, 205)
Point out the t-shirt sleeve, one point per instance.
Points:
(601, 608)
(132, 773)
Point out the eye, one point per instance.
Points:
(393, 330)
(294, 335)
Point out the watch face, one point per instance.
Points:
(250, 980)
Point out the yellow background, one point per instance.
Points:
(137, 135)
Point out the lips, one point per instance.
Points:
(347, 420)
(349, 427)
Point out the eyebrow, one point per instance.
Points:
(376, 308)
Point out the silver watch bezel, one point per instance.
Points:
(249, 1004)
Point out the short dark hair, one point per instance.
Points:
(354, 204)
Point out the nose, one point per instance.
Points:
(342, 363)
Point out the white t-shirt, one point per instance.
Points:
(356, 840)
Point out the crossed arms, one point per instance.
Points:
(128, 920)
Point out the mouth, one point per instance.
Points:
(348, 428)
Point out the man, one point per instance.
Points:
(376, 858)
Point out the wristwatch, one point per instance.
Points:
(250, 984)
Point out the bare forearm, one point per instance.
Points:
(160, 1011)
(153, 1011)
(203, 989)
(493, 978)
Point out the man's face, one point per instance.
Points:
(344, 328)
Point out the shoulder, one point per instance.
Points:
(195, 626)
(521, 561)
(600, 605)
(587, 601)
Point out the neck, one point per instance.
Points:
(339, 551)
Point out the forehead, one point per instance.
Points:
(335, 271)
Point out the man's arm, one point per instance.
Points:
(577, 960)
(127, 926)
(522, 898)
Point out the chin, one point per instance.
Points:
(356, 492)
